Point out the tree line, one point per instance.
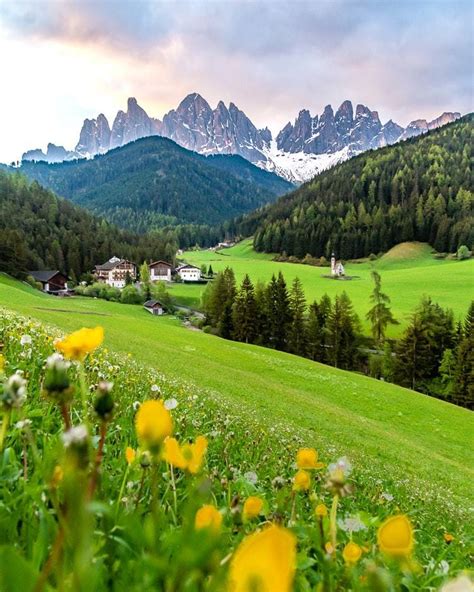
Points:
(419, 190)
(433, 355)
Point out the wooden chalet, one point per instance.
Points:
(52, 282)
(114, 272)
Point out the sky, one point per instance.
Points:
(64, 60)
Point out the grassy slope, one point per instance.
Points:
(408, 271)
(389, 432)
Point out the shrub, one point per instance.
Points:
(463, 253)
(130, 295)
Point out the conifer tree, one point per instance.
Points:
(343, 327)
(463, 387)
(380, 314)
(245, 313)
(315, 334)
(277, 312)
(297, 336)
(413, 356)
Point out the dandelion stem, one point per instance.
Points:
(53, 557)
(122, 487)
(66, 417)
(3, 432)
(84, 390)
(332, 520)
(173, 486)
(98, 459)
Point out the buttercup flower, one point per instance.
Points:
(321, 510)
(448, 537)
(307, 458)
(352, 553)
(208, 517)
(187, 457)
(253, 506)
(395, 536)
(264, 561)
(130, 455)
(77, 345)
(153, 423)
(301, 481)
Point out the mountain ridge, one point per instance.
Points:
(195, 126)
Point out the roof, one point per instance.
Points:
(112, 264)
(152, 304)
(45, 276)
(187, 266)
(160, 263)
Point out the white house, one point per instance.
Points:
(160, 271)
(114, 272)
(189, 273)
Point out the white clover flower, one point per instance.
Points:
(25, 340)
(351, 524)
(75, 435)
(155, 388)
(251, 477)
(171, 404)
(23, 424)
(387, 496)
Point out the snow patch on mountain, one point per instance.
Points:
(298, 167)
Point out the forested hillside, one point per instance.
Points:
(419, 190)
(40, 231)
(153, 182)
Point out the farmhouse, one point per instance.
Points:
(114, 272)
(154, 307)
(52, 282)
(160, 271)
(189, 273)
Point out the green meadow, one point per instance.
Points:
(408, 272)
(411, 442)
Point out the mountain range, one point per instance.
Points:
(152, 182)
(299, 151)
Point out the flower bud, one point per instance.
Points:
(13, 392)
(56, 381)
(104, 403)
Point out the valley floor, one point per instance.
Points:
(408, 272)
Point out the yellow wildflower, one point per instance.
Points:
(252, 507)
(57, 477)
(2, 363)
(395, 536)
(130, 455)
(352, 553)
(448, 537)
(321, 510)
(77, 345)
(301, 481)
(329, 548)
(187, 457)
(307, 458)
(153, 423)
(208, 517)
(264, 561)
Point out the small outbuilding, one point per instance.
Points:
(52, 282)
(154, 307)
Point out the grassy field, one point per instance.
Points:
(408, 272)
(407, 437)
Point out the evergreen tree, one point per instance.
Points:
(210, 272)
(277, 312)
(463, 384)
(315, 334)
(297, 336)
(413, 356)
(388, 362)
(245, 313)
(343, 326)
(380, 314)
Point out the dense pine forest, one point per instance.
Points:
(153, 182)
(40, 231)
(433, 356)
(420, 189)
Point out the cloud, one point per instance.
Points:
(406, 58)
